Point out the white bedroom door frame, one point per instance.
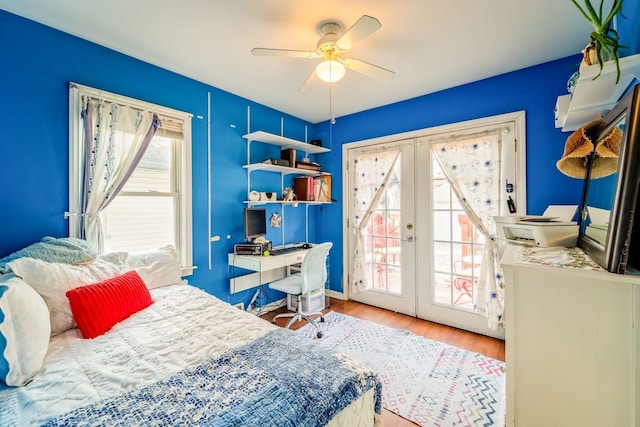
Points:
(422, 288)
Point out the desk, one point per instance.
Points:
(267, 268)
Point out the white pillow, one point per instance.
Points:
(24, 331)
(157, 268)
(52, 280)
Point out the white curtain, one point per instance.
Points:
(370, 173)
(472, 166)
(115, 137)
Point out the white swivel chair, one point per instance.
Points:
(312, 276)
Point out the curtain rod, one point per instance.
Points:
(113, 97)
(460, 137)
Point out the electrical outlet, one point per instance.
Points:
(239, 306)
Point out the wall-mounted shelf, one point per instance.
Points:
(283, 170)
(285, 143)
(282, 202)
(594, 98)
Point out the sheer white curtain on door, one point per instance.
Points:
(370, 173)
(115, 137)
(472, 166)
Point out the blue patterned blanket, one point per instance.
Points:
(66, 250)
(281, 379)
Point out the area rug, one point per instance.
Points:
(425, 381)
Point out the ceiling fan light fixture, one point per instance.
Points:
(330, 70)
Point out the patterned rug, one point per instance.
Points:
(425, 381)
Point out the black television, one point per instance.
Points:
(609, 229)
(255, 223)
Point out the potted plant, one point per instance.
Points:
(604, 38)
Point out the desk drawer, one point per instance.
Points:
(295, 258)
(246, 262)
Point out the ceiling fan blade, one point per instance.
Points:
(260, 51)
(370, 70)
(311, 80)
(364, 27)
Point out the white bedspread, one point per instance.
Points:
(182, 328)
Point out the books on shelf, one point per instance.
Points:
(322, 188)
(303, 188)
(308, 166)
(310, 188)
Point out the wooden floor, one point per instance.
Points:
(488, 346)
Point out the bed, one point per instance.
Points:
(185, 358)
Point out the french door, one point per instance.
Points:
(421, 253)
(388, 235)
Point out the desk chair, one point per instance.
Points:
(312, 276)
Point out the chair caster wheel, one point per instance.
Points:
(322, 319)
(319, 334)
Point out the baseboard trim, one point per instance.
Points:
(336, 294)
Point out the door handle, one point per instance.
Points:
(407, 239)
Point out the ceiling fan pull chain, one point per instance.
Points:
(333, 119)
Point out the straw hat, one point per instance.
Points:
(605, 162)
(577, 150)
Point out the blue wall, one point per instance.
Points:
(629, 27)
(38, 62)
(37, 65)
(533, 90)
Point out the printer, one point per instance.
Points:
(553, 228)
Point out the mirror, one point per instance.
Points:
(601, 183)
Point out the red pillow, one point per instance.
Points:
(96, 308)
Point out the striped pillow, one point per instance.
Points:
(96, 308)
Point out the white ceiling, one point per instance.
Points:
(431, 45)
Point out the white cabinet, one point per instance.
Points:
(572, 346)
(284, 143)
(594, 98)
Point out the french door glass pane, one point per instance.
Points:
(457, 248)
(382, 239)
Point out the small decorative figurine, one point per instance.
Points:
(288, 195)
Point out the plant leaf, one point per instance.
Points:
(584, 13)
(615, 8)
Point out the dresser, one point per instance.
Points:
(572, 344)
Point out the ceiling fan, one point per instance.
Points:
(331, 46)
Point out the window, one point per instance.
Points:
(153, 207)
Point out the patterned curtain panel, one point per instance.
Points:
(473, 168)
(115, 138)
(370, 173)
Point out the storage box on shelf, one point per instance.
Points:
(592, 98)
